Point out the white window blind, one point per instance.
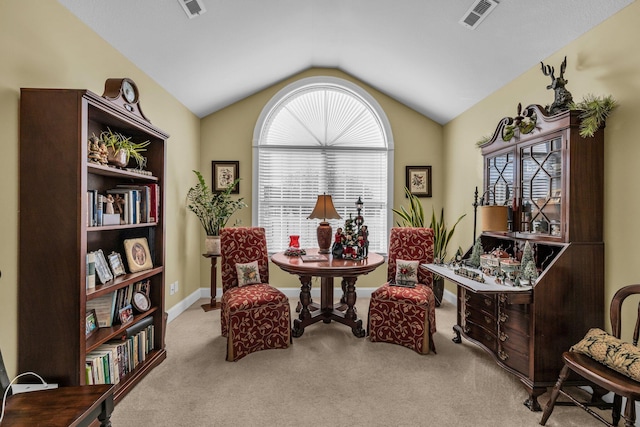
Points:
(321, 138)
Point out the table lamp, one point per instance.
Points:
(324, 210)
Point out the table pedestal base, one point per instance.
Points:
(327, 311)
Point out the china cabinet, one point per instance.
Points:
(551, 179)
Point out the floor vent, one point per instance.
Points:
(192, 8)
(477, 13)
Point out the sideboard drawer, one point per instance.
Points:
(481, 335)
(513, 357)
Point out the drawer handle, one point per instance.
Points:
(503, 337)
(467, 329)
(467, 298)
(502, 355)
(503, 317)
(503, 298)
(467, 313)
(487, 302)
(487, 320)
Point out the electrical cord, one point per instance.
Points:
(4, 397)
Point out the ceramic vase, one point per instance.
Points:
(212, 245)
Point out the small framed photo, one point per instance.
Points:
(224, 174)
(117, 266)
(126, 314)
(143, 286)
(91, 323)
(138, 255)
(102, 268)
(419, 180)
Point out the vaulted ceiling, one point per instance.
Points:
(415, 51)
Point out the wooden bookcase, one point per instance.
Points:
(551, 179)
(55, 237)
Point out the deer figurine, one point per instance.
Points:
(562, 98)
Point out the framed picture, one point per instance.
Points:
(102, 268)
(138, 255)
(143, 286)
(117, 266)
(90, 323)
(224, 174)
(419, 180)
(126, 314)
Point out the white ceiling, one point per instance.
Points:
(412, 50)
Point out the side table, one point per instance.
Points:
(213, 305)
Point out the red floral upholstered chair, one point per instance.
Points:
(254, 315)
(400, 314)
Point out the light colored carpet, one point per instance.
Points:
(328, 377)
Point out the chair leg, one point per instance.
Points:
(617, 404)
(564, 373)
(630, 413)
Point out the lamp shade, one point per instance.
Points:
(494, 218)
(324, 209)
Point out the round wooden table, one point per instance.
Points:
(326, 267)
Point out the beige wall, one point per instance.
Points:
(228, 135)
(43, 45)
(604, 61)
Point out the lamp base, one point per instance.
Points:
(325, 233)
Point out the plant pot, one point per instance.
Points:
(438, 289)
(212, 245)
(119, 158)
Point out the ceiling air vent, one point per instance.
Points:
(477, 12)
(192, 8)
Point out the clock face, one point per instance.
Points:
(141, 301)
(128, 91)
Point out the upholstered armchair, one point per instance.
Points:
(254, 315)
(402, 311)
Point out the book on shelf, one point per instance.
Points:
(104, 307)
(91, 270)
(99, 208)
(154, 202)
(111, 361)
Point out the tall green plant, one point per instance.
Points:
(414, 217)
(212, 209)
(441, 236)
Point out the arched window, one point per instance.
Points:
(321, 135)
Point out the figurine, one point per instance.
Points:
(562, 97)
(109, 201)
(337, 249)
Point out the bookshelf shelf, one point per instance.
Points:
(56, 180)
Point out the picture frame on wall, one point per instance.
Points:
(224, 174)
(418, 180)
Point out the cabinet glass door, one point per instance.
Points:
(541, 198)
(500, 178)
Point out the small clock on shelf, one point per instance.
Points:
(141, 302)
(124, 92)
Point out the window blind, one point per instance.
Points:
(321, 140)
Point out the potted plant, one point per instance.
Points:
(414, 217)
(122, 149)
(213, 210)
